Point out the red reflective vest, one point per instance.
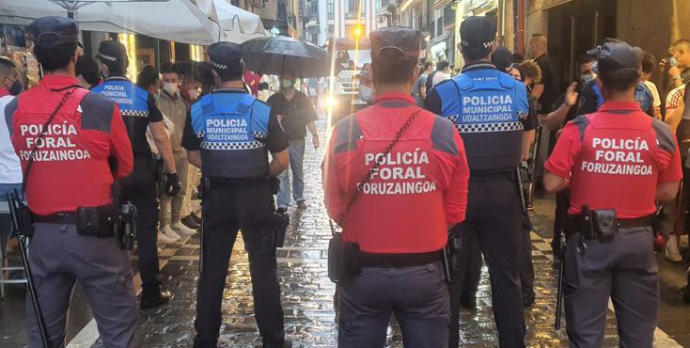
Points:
(615, 158)
(71, 165)
(418, 191)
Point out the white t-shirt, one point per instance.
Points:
(10, 166)
(439, 77)
(655, 93)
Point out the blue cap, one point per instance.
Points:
(223, 55)
(54, 30)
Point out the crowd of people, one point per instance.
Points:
(423, 182)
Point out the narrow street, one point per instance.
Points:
(308, 293)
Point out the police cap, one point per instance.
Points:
(617, 59)
(396, 43)
(54, 30)
(477, 34)
(224, 55)
(113, 54)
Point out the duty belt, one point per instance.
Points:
(57, 218)
(574, 223)
(399, 260)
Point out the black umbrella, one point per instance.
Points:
(275, 55)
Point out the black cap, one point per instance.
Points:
(396, 42)
(617, 57)
(54, 30)
(477, 33)
(113, 54)
(223, 55)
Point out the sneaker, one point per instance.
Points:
(301, 205)
(182, 230)
(169, 236)
(672, 253)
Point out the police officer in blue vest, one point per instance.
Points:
(490, 110)
(229, 134)
(139, 111)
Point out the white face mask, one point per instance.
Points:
(194, 93)
(170, 87)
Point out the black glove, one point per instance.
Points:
(172, 184)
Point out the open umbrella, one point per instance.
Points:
(174, 20)
(275, 55)
(237, 25)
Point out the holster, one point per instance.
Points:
(275, 229)
(595, 224)
(125, 226)
(25, 220)
(451, 256)
(96, 221)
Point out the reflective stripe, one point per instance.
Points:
(232, 146)
(490, 127)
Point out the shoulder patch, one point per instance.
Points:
(96, 112)
(581, 122)
(442, 135)
(347, 132)
(664, 135)
(10, 108)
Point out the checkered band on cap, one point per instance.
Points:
(490, 127)
(486, 44)
(107, 57)
(218, 65)
(232, 146)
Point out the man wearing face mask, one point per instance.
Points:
(366, 85)
(139, 111)
(295, 113)
(9, 78)
(174, 107)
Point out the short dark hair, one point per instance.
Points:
(584, 59)
(204, 73)
(393, 70)
(6, 66)
(147, 77)
(442, 65)
(232, 73)
(86, 67)
(168, 68)
(614, 79)
(427, 64)
(54, 57)
(648, 63)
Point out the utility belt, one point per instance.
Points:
(103, 222)
(399, 260)
(216, 183)
(603, 225)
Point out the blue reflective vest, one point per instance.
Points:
(233, 128)
(487, 107)
(134, 108)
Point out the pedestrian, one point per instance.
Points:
(68, 191)
(679, 72)
(296, 114)
(608, 253)
(172, 105)
(191, 87)
(139, 112)
(502, 58)
(648, 65)
(419, 88)
(9, 78)
(397, 212)
(442, 73)
(547, 88)
(87, 72)
(237, 194)
(494, 152)
(366, 84)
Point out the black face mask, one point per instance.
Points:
(16, 88)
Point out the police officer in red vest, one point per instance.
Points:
(73, 145)
(395, 179)
(616, 162)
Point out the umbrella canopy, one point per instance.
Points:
(174, 20)
(236, 24)
(278, 54)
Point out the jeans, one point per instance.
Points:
(296, 151)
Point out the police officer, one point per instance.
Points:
(139, 111)
(490, 109)
(228, 135)
(609, 252)
(395, 179)
(73, 145)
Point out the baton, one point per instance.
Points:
(14, 205)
